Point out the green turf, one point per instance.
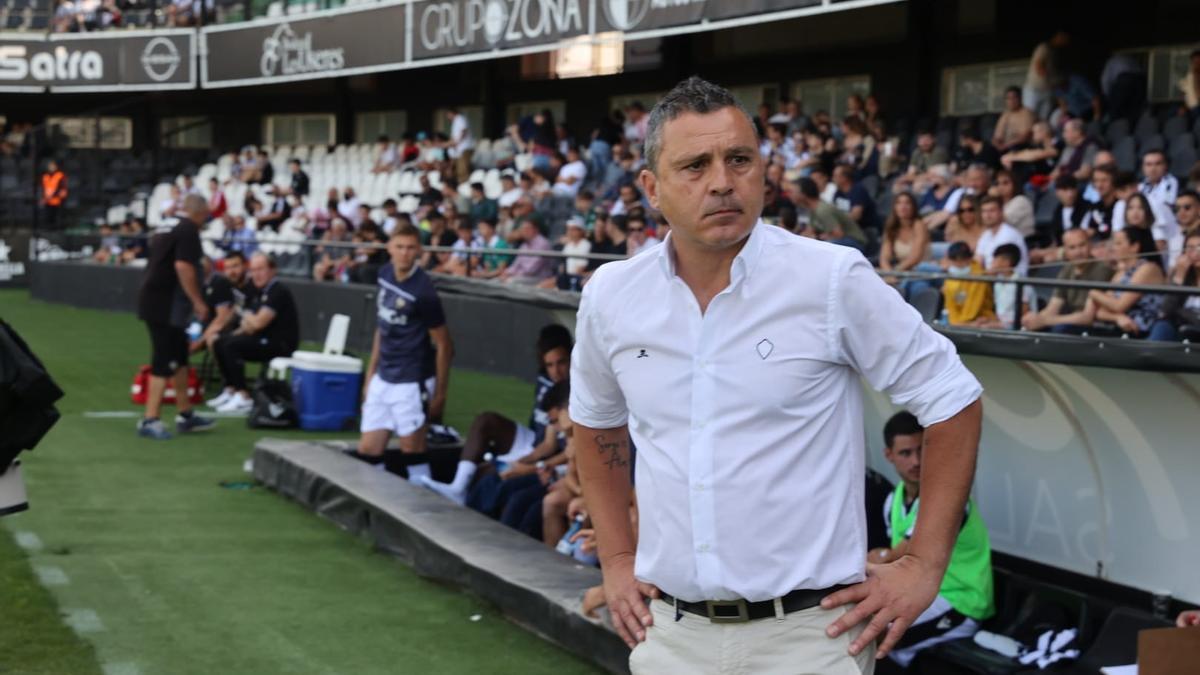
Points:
(185, 576)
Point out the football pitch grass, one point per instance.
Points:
(135, 559)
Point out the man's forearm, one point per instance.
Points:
(947, 470)
(603, 456)
(186, 272)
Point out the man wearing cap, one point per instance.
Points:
(745, 408)
(570, 276)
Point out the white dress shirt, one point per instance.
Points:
(747, 418)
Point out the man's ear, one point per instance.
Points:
(649, 184)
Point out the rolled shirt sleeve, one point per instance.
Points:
(887, 342)
(596, 397)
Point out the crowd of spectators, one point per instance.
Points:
(80, 16)
(927, 202)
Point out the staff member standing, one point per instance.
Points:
(169, 296)
(732, 356)
(54, 193)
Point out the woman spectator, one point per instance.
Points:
(965, 225)
(872, 111)
(1181, 310)
(856, 107)
(332, 260)
(1138, 264)
(1140, 214)
(1018, 210)
(860, 151)
(906, 245)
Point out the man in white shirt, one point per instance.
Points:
(571, 175)
(1158, 184)
(462, 144)
(386, 156)
(996, 233)
(348, 207)
(745, 408)
(509, 192)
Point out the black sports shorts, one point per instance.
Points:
(169, 348)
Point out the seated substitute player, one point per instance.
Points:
(521, 447)
(965, 599)
(410, 357)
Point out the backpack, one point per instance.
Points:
(273, 406)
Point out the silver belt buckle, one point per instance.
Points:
(743, 614)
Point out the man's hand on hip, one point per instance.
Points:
(892, 597)
(626, 598)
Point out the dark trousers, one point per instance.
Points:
(234, 351)
(52, 215)
(1128, 97)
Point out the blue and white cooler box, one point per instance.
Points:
(325, 389)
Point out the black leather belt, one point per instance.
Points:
(741, 611)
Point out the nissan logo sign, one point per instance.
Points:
(160, 59)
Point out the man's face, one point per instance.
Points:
(583, 204)
(557, 364)
(1076, 245)
(637, 232)
(1072, 135)
(1187, 212)
(235, 270)
(1154, 167)
(990, 214)
(1102, 181)
(260, 271)
(528, 231)
(1066, 197)
(905, 455)
(925, 142)
(709, 178)
(560, 419)
(977, 180)
(404, 252)
(1012, 100)
(628, 195)
(1000, 267)
(507, 185)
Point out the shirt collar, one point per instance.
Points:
(743, 264)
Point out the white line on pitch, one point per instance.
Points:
(51, 576)
(29, 541)
(121, 669)
(83, 620)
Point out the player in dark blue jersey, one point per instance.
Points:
(520, 447)
(410, 357)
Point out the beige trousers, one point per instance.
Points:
(792, 645)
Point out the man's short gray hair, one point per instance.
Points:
(693, 95)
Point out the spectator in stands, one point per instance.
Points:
(387, 157)
(321, 214)
(609, 238)
(1014, 129)
(973, 149)
(348, 207)
(935, 186)
(853, 198)
(491, 264)
(217, 204)
(465, 245)
(965, 598)
(860, 151)
(391, 217)
(169, 296)
(635, 123)
(1189, 86)
(996, 233)
(1004, 294)
(965, 302)
(109, 250)
(269, 328)
(1181, 310)
(462, 144)
(273, 216)
(332, 260)
(965, 225)
(518, 446)
(299, 179)
(1078, 154)
(365, 261)
(926, 155)
(1065, 313)
(1123, 84)
(238, 236)
(1157, 184)
(530, 269)
(451, 195)
(906, 245)
(1018, 210)
(1036, 161)
(572, 174)
(1072, 212)
(266, 170)
(577, 243)
(1102, 213)
(509, 192)
(977, 180)
(640, 240)
(630, 198)
(1137, 262)
(439, 234)
(1077, 98)
(828, 223)
(1187, 213)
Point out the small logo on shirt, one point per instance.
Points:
(764, 348)
(400, 303)
(945, 623)
(642, 354)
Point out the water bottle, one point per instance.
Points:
(194, 331)
(565, 546)
(501, 467)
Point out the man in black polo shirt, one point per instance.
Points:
(270, 327)
(226, 294)
(169, 296)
